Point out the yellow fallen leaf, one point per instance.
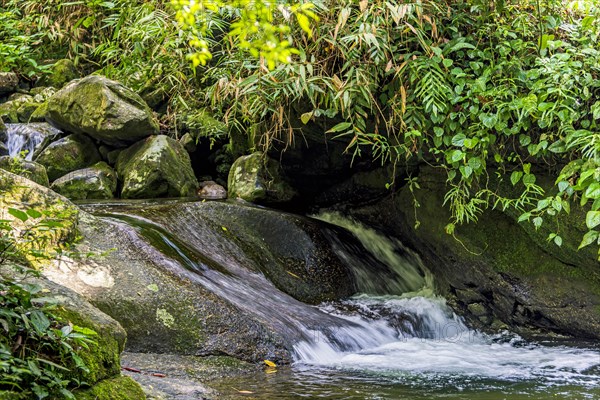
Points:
(245, 392)
(270, 363)
(292, 274)
(270, 370)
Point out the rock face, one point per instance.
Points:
(499, 272)
(96, 182)
(102, 109)
(8, 82)
(257, 179)
(67, 155)
(156, 167)
(28, 169)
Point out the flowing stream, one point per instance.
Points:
(395, 339)
(23, 139)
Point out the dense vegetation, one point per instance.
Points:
(488, 91)
(38, 349)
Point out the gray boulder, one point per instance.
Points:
(258, 179)
(103, 109)
(96, 182)
(67, 155)
(211, 190)
(156, 167)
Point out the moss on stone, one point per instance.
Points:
(96, 182)
(67, 155)
(27, 169)
(103, 109)
(156, 167)
(258, 179)
(119, 388)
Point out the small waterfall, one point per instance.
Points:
(386, 267)
(23, 139)
(413, 331)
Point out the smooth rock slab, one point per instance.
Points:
(103, 109)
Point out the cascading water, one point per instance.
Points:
(416, 336)
(23, 139)
(395, 339)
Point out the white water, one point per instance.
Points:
(417, 334)
(23, 139)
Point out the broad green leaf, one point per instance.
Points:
(558, 241)
(589, 238)
(562, 186)
(306, 117)
(515, 177)
(592, 219)
(21, 215)
(593, 191)
(537, 222)
(34, 213)
(342, 126)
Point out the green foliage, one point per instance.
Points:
(472, 87)
(260, 27)
(38, 353)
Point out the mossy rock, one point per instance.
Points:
(3, 131)
(26, 112)
(39, 114)
(23, 194)
(103, 109)
(119, 388)
(156, 167)
(67, 155)
(62, 72)
(102, 358)
(96, 182)
(258, 179)
(3, 150)
(28, 169)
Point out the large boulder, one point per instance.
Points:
(156, 167)
(8, 82)
(96, 182)
(28, 169)
(102, 109)
(498, 272)
(258, 179)
(67, 155)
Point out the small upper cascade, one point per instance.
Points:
(23, 139)
(387, 267)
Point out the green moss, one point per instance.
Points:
(156, 167)
(67, 155)
(102, 358)
(120, 388)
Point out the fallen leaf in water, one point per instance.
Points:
(270, 363)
